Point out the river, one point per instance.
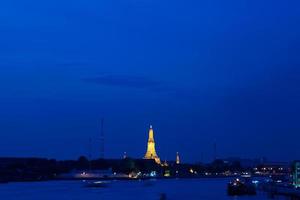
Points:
(180, 189)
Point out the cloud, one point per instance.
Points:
(137, 82)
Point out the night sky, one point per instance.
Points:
(201, 72)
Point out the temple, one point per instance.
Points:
(177, 158)
(151, 152)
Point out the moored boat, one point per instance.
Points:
(96, 184)
(240, 186)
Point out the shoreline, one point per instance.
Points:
(121, 179)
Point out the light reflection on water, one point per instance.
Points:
(180, 189)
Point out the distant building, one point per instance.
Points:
(296, 174)
(151, 152)
(244, 163)
(165, 164)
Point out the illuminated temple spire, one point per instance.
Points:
(151, 152)
(177, 158)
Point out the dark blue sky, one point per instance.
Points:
(199, 71)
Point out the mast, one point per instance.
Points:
(90, 154)
(215, 151)
(102, 139)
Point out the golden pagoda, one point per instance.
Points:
(151, 152)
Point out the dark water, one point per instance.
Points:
(196, 189)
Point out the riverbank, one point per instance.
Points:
(40, 169)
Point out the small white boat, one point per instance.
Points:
(96, 184)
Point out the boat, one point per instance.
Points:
(96, 184)
(241, 186)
